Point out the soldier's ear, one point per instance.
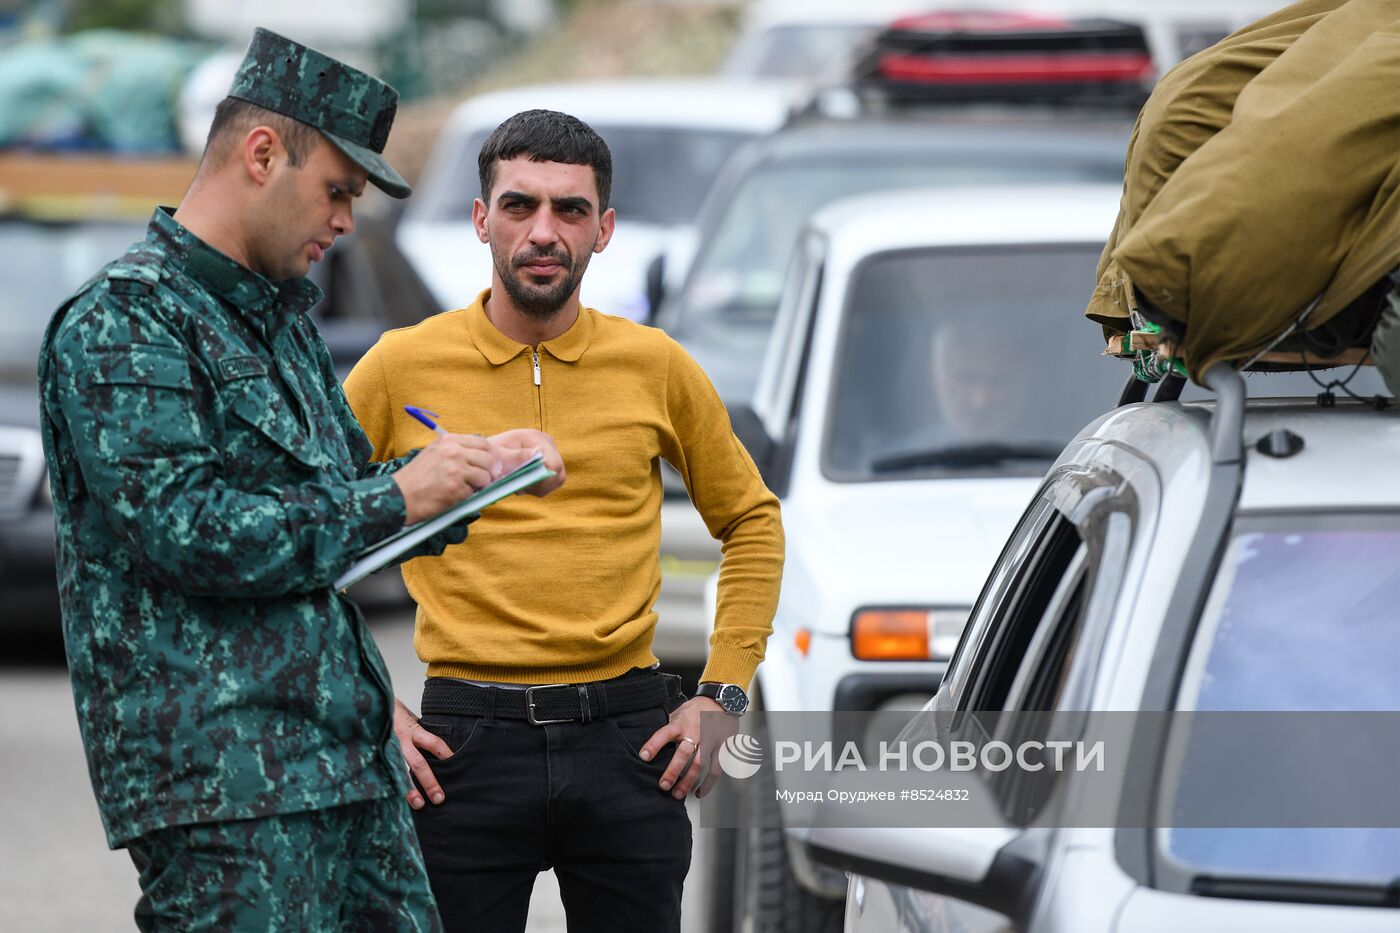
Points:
(261, 149)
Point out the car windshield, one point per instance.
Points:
(44, 264)
(726, 310)
(966, 361)
(1301, 618)
(660, 174)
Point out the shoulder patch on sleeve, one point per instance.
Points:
(141, 365)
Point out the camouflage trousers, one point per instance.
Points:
(354, 867)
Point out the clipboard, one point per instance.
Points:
(381, 554)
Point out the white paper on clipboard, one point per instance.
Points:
(391, 548)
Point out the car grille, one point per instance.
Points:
(21, 467)
(9, 476)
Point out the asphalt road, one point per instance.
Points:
(56, 873)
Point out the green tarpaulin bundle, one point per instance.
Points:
(100, 90)
(1263, 179)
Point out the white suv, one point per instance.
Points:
(925, 369)
(1189, 557)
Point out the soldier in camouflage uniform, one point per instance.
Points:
(209, 482)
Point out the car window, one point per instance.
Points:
(1040, 678)
(724, 313)
(44, 264)
(660, 174)
(1042, 592)
(967, 362)
(774, 396)
(1302, 616)
(1027, 661)
(1024, 655)
(996, 593)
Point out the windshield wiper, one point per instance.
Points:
(964, 455)
(1356, 894)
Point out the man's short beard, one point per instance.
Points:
(539, 302)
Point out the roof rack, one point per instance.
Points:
(1152, 341)
(1226, 422)
(963, 57)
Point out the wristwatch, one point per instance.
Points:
(731, 697)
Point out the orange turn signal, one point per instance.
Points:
(890, 635)
(803, 641)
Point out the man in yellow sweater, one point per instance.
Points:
(588, 771)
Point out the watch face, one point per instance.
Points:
(733, 699)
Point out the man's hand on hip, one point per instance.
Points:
(412, 737)
(695, 748)
(445, 472)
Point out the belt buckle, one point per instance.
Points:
(530, 704)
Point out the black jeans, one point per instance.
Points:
(573, 796)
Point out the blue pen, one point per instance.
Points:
(426, 417)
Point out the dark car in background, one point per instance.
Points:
(44, 263)
(723, 312)
(369, 288)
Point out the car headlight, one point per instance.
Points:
(907, 634)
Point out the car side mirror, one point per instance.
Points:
(995, 868)
(754, 436)
(773, 457)
(655, 285)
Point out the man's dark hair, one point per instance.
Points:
(547, 136)
(234, 117)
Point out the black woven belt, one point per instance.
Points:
(447, 696)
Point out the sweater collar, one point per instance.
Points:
(499, 349)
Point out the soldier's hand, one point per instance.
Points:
(445, 472)
(520, 445)
(412, 737)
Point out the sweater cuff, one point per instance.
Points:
(731, 665)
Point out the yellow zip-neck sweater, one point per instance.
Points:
(561, 589)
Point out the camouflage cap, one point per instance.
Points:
(352, 109)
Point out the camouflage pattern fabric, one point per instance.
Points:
(209, 482)
(356, 867)
(354, 110)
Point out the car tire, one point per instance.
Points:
(719, 880)
(768, 896)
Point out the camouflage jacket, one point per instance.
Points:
(209, 482)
